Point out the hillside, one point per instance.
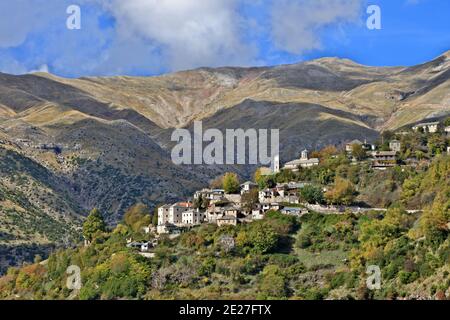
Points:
(105, 142)
(313, 256)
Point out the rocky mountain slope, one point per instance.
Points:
(67, 145)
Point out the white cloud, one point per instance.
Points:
(42, 68)
(19, 18)
(9, 64)
(296, 24)
(190, 33)
(154, 36)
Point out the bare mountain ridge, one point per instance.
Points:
(175, 100)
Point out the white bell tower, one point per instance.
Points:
(304, 155)
(276, 164)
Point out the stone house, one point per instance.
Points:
(227, 221)
(173, 214)
(210, 194)
(395, 145)
(384, 159)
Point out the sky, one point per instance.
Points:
(152, 37)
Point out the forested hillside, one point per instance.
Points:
(281, 257)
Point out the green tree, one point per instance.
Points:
(358, 152)
(262, 237)
(447, 122)
(325, 175)
(93, 225)
(231, 183)
(311, 194)
(201, 203)
(434, 223)
(273, 283)
(436, 145)
(264, 181)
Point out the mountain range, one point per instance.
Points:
(68, 145)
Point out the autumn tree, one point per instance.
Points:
(137, 217)
(325, 153)
(217, 183)
(342, 193)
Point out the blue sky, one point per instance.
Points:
(150, 37)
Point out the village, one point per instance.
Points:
(249, 202)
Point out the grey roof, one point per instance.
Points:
(424, 124)
(227, 218)
(300, 161)
(249, 183)
(385, 153)
(356, 141)
(292, 209)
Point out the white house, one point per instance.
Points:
(294, 211)
(193, 217)
(142, 246)
(248, 186)
(176, 212)
(271, 206)
(210, 194)
(267, 195)
(173, 214)
(430, 127)
(258, 214)
(163, 214)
